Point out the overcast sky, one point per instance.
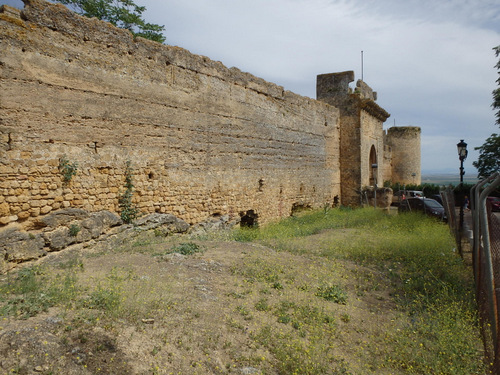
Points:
(430, 61)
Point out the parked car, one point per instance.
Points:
(427, 206)
(438, 198)
(403, 194)
(495, 203)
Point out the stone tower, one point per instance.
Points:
(361, 133)
(404, 142)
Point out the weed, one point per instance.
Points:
(82, 337)
(33, 292)
(244, 312)
(156, 350)
(73, 263)
(294, 355)
(346, 318)
(129, 211)
(120, 274)
(187, 248)
(104, 298)
(332, 293)
(67, 169)
(159, 233)
(262, 305)
(74, 229)
(246, 234)
(277, 285)
(285, 319)
(236, 295)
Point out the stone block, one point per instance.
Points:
(5, 220)
(45, 210)
(23, 215)
(19, 246)
(62, 217)
(59, 238)
(4, 209)
(35, 203)
(167, 221)
(12, 199)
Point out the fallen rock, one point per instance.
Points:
(214, 223)
(59, 238)
(99, 222)
(167, 222)
(61, 217)
(19, 246)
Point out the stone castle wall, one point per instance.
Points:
(202, 139)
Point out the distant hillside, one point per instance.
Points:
(447, 178)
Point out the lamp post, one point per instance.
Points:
(462, 155)
(374, 169)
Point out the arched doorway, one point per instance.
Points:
(373, 165)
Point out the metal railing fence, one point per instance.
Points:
(486, 263)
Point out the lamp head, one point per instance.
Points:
(462, 150)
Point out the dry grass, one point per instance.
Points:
(342, 292)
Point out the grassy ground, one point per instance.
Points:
(335, 292)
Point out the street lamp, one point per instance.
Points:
(374, 169)
(462, 155)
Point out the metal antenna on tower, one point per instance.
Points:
(362, 66)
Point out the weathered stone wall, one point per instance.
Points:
(371, 137)
(202, 139)
(333, 88)
(405, 145)
(387, 165)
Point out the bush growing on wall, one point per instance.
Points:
(129, 211)
(67, 169)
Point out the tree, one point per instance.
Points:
(496, 93)
(121, 13)
(489, 153)
(489, 157)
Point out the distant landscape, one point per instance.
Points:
(447, 178)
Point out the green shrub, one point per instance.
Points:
(332, 293)
(74, 229)
(104, 298)
(67, 169)
(33, 292)
(187, 248)
(128, 209)
(262, 305)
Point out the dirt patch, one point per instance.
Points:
(229, 308)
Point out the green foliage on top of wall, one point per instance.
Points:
(121, 13)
